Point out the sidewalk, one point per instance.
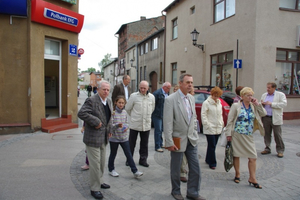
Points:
(47, 166)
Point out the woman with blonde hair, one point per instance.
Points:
(212, 120)
(243, 120)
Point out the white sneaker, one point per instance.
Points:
(138, 174)
(114, 173)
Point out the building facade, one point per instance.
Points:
(264, 35)
(39, 67)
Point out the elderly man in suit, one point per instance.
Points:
(179, 121)
(122, 89)
(96, 113)
(274, 102)
(157, 115)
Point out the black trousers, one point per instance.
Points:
(144, 136)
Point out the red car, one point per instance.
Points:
(200, 97)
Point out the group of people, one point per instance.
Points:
(121, 120)
(91, 89)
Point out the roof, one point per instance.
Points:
(171, 5)
(113, 60)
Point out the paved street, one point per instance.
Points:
(47, 166)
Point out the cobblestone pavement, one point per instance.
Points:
(279, 177)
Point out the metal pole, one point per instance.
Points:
(237, 57)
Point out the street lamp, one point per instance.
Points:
(131, 62)
(194, 35)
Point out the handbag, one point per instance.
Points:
(223, 139)
(228, 160)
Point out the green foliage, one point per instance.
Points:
(106, 60)
(91, 69)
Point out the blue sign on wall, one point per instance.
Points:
(237, 63)
(15, 7)
(51, 14)
(73, 50)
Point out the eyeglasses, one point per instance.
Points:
(248, 95)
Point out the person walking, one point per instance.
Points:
(212, 120)
(243, 120)
(274, 102)
(122, 89)
(120, 137)
(89, 89)
(96, 113)
(179, 121)
(157, 115)
(140, 106)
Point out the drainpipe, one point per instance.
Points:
(137, 67)
(165, 33)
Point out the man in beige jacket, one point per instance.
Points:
(274, 102)
(139, 107)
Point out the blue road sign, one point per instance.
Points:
(237, 63)
(72, 50)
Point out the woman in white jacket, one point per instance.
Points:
(212, 121)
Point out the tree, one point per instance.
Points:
(106, 60)
(91, 69)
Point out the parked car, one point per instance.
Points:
(228, 96)
(200, 97)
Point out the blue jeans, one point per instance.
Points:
(158, 129)
(113, 153)
(210, 158)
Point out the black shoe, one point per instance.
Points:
(97, 194)
(144, 164)
(126, 163)
(105, 186)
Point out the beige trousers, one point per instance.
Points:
(183, 171)
(96, 157)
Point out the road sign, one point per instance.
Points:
(80, 51)
(237, 63)
(72, 50)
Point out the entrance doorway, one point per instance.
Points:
(52, 80)
(153, 81)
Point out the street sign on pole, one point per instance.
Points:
(72, 50)
(237, 63)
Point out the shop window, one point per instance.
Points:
(223, 9)
(174, 73)
(221, 70)
(287, 71)
(289, 4)
(175, 29)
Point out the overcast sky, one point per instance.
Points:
(103, 18)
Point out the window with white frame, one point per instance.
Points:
(223, 9)
(221, 70)
(287, 71)
(174, 74)
(175, 29)
(290, 4)
(154, 43)
(146, 47)
(142, 49)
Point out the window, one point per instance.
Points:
(223, 9)
(133, 54)
(174, 73)
(175, 29)
(51, 47)
(142, 49)
(221, 70)
(146, 47)
(160, 72)
(145, 72)
(290, 4)
(192, 10)
(141, 72)
(287, 71)
(154, 44)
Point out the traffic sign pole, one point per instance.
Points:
(237, 57)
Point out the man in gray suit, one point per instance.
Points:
(179, 121)
(96, 113)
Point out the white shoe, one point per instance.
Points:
(138, 174)
(160, 150)
(114, 173)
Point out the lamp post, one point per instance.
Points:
(194, 35)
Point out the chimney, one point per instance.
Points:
(143, 18)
